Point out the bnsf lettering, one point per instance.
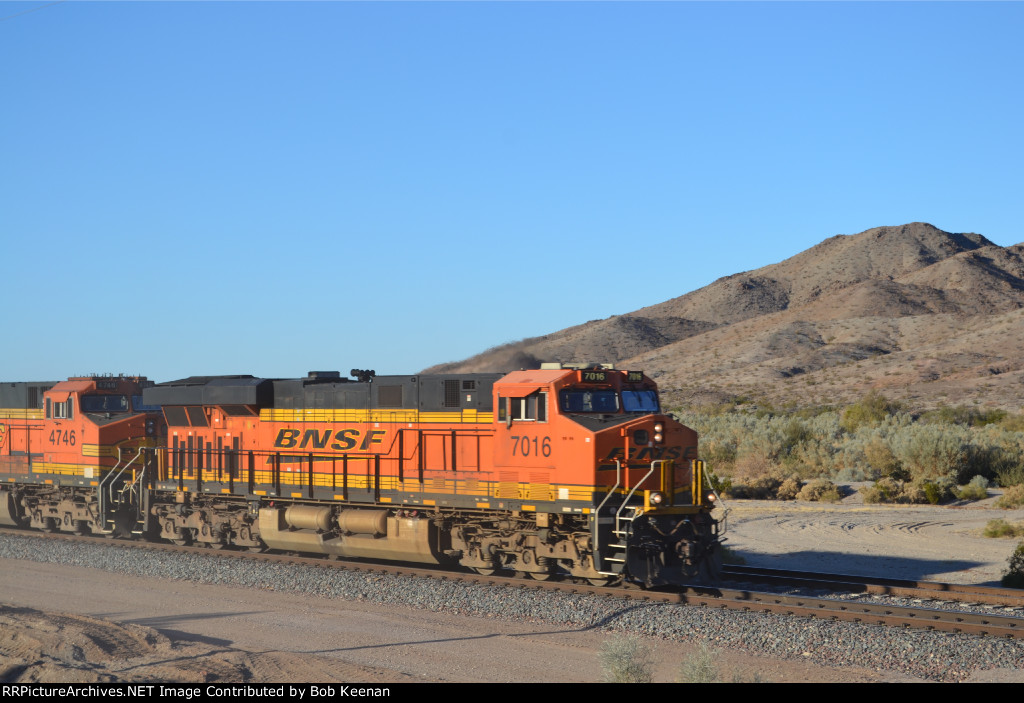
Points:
(344, 440)
(314, 436)
(372, 438)
(286, 438)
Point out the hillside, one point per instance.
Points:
(925, 316)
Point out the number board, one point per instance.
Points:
(634, 376)
(593, 376)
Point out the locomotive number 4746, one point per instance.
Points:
(65, 437)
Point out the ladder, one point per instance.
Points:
(115, 491)
(625, 514)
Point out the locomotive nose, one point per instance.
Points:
(649, 433)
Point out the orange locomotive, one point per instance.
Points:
(60, 442)
(556, 471)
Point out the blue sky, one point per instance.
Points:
(273, 187)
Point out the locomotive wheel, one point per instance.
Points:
(484, 572)
(540, 575)
(599, 582)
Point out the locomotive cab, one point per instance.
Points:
(92, 424)
(600, 437)
(82, 460)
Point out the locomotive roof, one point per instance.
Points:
(423, 392)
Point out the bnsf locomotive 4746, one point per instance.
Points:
(572, 472)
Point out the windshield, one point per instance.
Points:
(141, 407)
(104, 403)
(588, 401)
(640, 401)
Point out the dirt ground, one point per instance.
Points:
(110, 627)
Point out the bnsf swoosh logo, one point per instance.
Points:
(646, 453)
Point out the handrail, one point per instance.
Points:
(597, 512)
(123, 469)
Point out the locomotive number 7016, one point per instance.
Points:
(523, 445)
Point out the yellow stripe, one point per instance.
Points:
(433, 482)
(99, 450)
(379, 415)
(20, 414)
(42, 467)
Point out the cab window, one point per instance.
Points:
(640, 401)
(588, 401)
(533, 407)
(104, 403)
(61, 411)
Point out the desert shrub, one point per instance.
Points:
(977, 489)
(812, 459)
(700, 667)
(914, 493)
(626, 659)
(758, 488)
(870, 410)
(1010, 476)
(820, 489)
(993, 453)
(851, 474)
(722, 485)
(884, 490)
(963, 415)
(753, 465)
(872, 439)
(1013, 423)
(788, 489)
(890, 490)
(1013, 497)
(934, 491)
(718, 452)
(883, 460)
(1001, 528)
(1014, 576)
(930, 451)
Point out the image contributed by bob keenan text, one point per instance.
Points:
(301, 692)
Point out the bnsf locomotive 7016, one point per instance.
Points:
(572, 472)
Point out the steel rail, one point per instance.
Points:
(874, 585)
(984, 624)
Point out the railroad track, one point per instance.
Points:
(873, 585)
(963, 621)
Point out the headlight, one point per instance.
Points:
(657, 497)
(658, 437)
(658, 427)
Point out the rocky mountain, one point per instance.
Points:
(923, 315)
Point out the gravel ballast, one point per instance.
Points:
(930, 655)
